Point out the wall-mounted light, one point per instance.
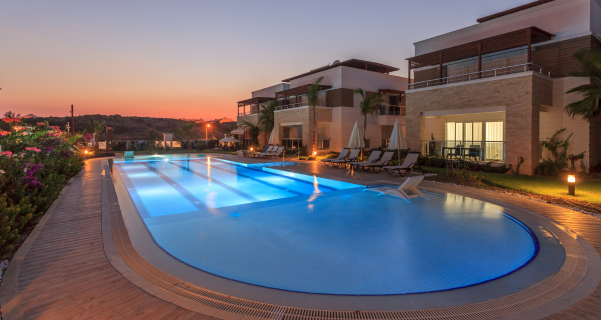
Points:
(572, 185)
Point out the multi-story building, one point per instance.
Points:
(338, 107)
(496, 89)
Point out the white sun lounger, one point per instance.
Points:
(352, 157)
(373, 158)
(269, 151)
(408, 189)
(265, 149)
(407, 165)
(275, 153)
(341, 156)
(384, 161)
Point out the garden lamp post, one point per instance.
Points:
(207, 132)
(572, 185)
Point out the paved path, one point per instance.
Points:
(66, 275)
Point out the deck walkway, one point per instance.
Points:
(66, 274)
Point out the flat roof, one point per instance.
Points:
(513, 10)
(352, 63)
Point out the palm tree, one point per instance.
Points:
(186, 131)
(369, 106)
(313, 98)
(590, 69)
(254, 132)
(266, 118)
(98, 128)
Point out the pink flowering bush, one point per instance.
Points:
(35, 164)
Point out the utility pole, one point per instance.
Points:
(72, 121)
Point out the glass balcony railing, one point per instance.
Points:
(480, 75)
(467, 150)
(302, 104)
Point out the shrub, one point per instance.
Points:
(36, 163)
(201, 147)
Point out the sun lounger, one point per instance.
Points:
(408, 189)
(373, 158)
(378, 165)
(128, 155)
(341, 156)
(351, 158)
(275, 153)
(407, 165)
(269, 150)
(265, 149)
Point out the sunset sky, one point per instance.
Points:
(196, 59)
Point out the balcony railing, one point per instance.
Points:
(302, 104)
(391, 110)
(472, 150)
(480, 75)
(244, 113)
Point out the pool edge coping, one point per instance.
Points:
(592, 272)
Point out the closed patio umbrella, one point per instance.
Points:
(273, 138)
(396, 138)
(356, 140)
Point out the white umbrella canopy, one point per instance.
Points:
(396, 138)
(273, 138)
(228, 139)
(356, 140)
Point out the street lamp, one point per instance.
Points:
(572, 185)
(207, 132)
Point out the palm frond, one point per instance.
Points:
(590, 69)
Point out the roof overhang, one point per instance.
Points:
(297, 91)
(238, 131)
(256, 100)
(352, 63)
(513, 10)
(500, 42)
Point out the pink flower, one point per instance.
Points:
(88, 136)
(41, 123)
(69, 164)
(6, 153)
(33, 149)
(2, 171)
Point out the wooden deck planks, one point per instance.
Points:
(66, 274)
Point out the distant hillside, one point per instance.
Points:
(138, 128)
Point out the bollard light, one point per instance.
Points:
(572, 185)
(251, 149)
(314, 152)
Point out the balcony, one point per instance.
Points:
(249, 112)
(302, 104)
(480, 75)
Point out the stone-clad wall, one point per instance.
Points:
(521, 95)
(254, 119)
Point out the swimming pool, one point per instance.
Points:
(282, 230)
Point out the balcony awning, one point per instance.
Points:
(256, 100)
(238, 131)
(500, 42)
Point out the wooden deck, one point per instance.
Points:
(66, 274)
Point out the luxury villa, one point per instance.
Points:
(498, 88)
(337, 110)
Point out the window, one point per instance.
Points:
(494, 141)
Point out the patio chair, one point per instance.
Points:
(341, 156)
(373, 158)
(351, 158)
(406, 167)
(378, 165)
(408, 189)
(128, 155)
(474, 152)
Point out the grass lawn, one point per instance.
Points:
(177, 151)
(587, 189)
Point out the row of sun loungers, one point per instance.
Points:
(374, 162)
(268, 151)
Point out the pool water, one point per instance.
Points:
(289, 231)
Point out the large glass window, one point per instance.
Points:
(494, 140)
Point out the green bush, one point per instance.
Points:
(36, 163)
(201, 147)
